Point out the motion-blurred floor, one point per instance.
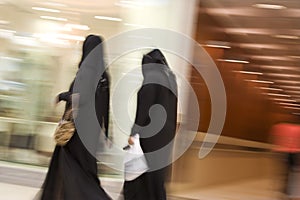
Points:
(23, 182)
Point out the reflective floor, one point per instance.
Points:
(23, 182)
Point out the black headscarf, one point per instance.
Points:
(155, 69)
(156, 57)
(156, 127)
(93, 42)
(89, 44)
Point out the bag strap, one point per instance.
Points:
(68, 115)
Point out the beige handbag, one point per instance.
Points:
(65, 129)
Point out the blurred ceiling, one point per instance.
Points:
(69, 7)
(265, 36)
(66, 21)
(62, 23)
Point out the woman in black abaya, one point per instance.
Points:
(72, 173)
(159, 88)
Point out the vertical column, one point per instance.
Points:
(175, 15)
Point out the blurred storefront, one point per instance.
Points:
(40, 50)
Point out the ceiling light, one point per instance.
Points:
(4, 33)
(290, 87)
(291, 37)
(284, 100)
(239, 31)
(134, 25)
(78, 26)
(283, 75)
(289, 82)
(55, 36)
(234, 61)
(288, 104)
(289, 107)
(267, 88)
(11, 58)
(269, 6)
(294, 68)
(279, 95)
(261, 46)
(54, 4)
(46, 9)
(129, 2)
(108, 18)
(260, 57)
(4, 22)
(296, 57)
(217, 46)
(294, 92)
(71, 37)
(259, 81)
(248, 72)
(54, 18)
(7, 31)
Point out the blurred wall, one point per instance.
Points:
(250, 114)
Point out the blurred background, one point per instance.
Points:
(255, 45)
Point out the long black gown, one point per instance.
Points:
(72, 173)
(159, 87)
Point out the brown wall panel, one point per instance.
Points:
(250, 114)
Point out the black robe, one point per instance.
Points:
(72, 173)
(159, 87)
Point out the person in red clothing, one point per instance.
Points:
(286, 137)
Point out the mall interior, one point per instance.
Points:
(238, 76)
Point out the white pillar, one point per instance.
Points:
(175, 15)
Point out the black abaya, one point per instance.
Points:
(159, 88)
(72, 173)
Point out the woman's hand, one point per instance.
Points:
(130, 140)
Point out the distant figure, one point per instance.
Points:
(72, 173)
(159, 88)
(287, 138)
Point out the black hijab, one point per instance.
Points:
(89, 44)
(155, 69)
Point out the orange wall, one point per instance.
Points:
(250, 114)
